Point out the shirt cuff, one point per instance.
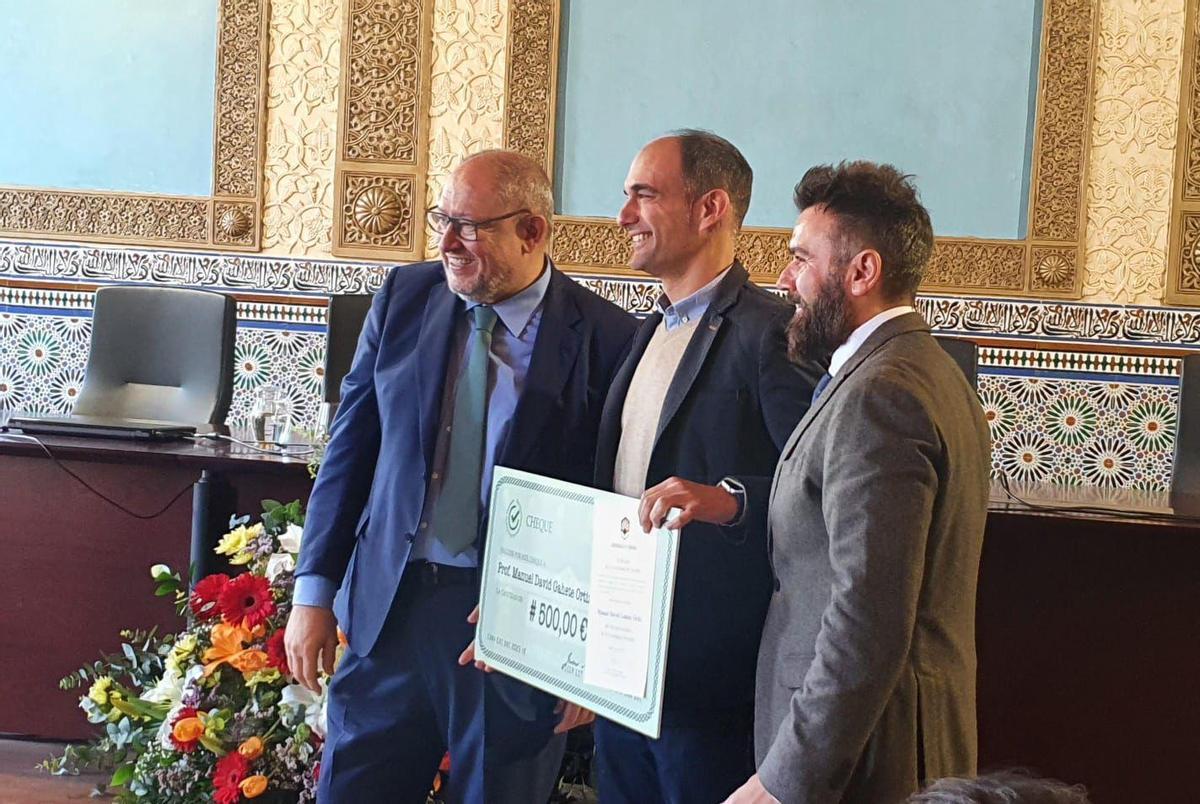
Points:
(314, 590)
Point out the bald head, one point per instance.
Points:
(517, 181)
(497, 207)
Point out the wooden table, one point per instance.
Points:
(74, 570)
(1089, 651)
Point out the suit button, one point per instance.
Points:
(777, 585)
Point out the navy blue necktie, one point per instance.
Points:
(456, 512)
(821, 383)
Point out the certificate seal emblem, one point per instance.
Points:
(513, 520)
(625, 527)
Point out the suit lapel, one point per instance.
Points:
(433, 352)
(610, 420)
(697, 349)
(909, 322)
(554, 355)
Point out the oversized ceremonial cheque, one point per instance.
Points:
(575, 598)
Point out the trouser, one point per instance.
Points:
(395, 712)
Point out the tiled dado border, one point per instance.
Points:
(1074, 393)
(1101, 329)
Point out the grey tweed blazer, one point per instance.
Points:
(866, 670)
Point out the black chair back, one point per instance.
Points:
(1185, 477)
(965, 354)
(344, 322)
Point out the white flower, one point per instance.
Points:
(279, 564)
(314, 705)
(159, 569)
(290, 540)
(169, 688)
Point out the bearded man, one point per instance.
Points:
(866, 671)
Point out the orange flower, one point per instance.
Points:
(253, 786)
(251, 749)
(249, 661)
(188, 729)
(228, 643)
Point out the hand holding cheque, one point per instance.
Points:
(575, 599)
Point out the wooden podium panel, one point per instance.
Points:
(75, 571)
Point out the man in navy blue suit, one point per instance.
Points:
(489, 357)
(695, 420)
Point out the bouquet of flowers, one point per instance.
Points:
(210, 713)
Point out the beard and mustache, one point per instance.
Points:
(820, 326)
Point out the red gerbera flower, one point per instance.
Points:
(227, 775)
(277, 654)
(206, 594)
(247, 600)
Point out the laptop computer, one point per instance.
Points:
(101, 427)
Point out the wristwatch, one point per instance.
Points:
(735, 487)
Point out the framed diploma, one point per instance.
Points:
(575, 598)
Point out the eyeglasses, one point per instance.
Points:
(465, 228)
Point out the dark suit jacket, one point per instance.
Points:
(729, 409)
(866, 676)
(366, 504)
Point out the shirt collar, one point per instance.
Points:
(859, 336)
(691, 308)
(515, 311)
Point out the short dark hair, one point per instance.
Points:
(711, 162)
(1003, 787)
(877, 207)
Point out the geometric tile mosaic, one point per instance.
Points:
(1081, 432)
(43, 357)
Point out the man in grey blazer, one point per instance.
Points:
(866, 671)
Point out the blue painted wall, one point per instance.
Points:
(108, 94)
(943, 89)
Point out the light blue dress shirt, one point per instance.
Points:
(513, 339)
(691, 308)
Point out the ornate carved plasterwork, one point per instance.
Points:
(1133, 150)
(379, 211)
(383, 136)
(1183, 271)
(466, 88)
(1064, 114)
(175, 220)
(302, 117)
(995, 266)
(382, 103)
(105, 216)
(531, 81)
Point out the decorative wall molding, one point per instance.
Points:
(227, 220)
(383, 131)
(1183, 272)
(1048, 263)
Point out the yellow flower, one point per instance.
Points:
(242, 558)
(267, 676)
(233, 542)
(99, 690)
(253, 786)
(183, 648)
(251, 749)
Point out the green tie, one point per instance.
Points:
(456, 512)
